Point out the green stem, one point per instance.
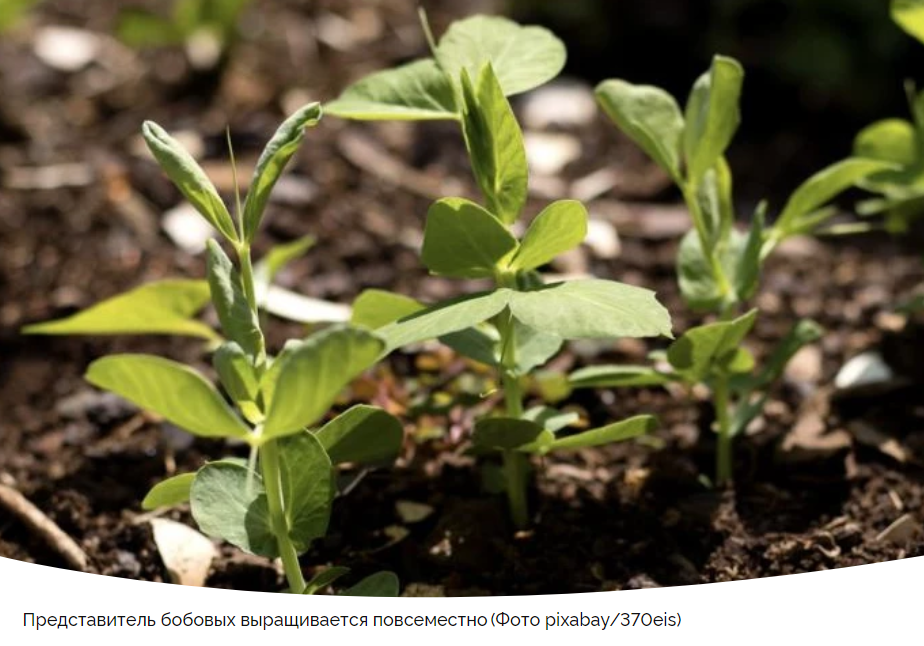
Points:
(250, 292)
(247, 276)
(272, 481)
(516, 465)
(723, 455)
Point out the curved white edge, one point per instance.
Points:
(867, 604)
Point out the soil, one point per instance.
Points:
(821, 479)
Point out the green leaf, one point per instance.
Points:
(506, 433)
(891, 140)
(802, 333)
(618, 432)
(228, 501)
(362, 434)
(477, 343)
(380, 584)
(583, 309)
(697, 282)
(822, 187)
(495, 145)
(697, 353)
(189, 177)
(238, 320)
(463, 240)
(739, 361)
(560, 227)
(523, 58)
(534, 347)
(176, 392)
(140, 28)
(550, 419)
(280, 256)
(164, 307)
(376, 308)
(236, 372)
(271, 377)
(909, 15)
(169, 493)
(307, 488)
(714, 196)
(417, 91)
(618, 377)
(273, 161)
(325, 578)
(312, 375)
(712, 116)
(746, 277)
(650, 117)
(445, 318)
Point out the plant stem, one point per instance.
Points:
(272, 481)
(250, 292)
(723, 455)
(247, 276)
(516, 465)
(515, 472)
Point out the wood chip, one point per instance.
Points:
(186, 553)
(871, 436)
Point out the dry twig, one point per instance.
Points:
(40, 524)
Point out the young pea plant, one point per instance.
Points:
(278, 501)
(210, 24)
(719, 267)
(899, 142)
(522, 322)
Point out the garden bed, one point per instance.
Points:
(821, 481)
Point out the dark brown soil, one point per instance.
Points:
(632, 515)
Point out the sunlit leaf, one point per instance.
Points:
(169, 493)
(313, 373)
(463, 240)
(189, 177)
(495, 145)
(416, 91)
(165, 307)
(712, 116)
(650, 117)
(560, 227)
(522, 57)
(273, 161)
(174, 391)
(583, 309)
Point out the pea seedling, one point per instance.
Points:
(522, 322)
(278, 501)
(718, 266)
(899, 142)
